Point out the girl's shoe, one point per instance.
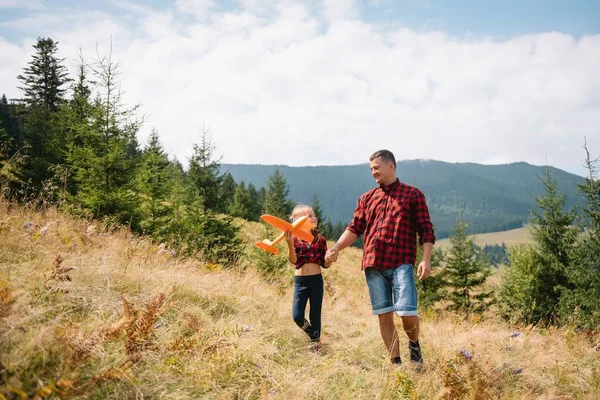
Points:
(316, 345)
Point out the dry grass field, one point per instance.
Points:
(87, 313)
(509, 238)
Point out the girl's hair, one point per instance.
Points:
(298, 209)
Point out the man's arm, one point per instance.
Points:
(347, 238)
(424, 225)
(353, 231)
(425, 265)
(426, 234)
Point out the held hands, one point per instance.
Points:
(423, 270)
(288, 237)
(332, 255)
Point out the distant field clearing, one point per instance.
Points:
(509, 238)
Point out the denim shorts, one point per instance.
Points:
(392, 290)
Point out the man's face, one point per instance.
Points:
(382, 171)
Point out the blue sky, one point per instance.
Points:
(497, 19)
(459, 81)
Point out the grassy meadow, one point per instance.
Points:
(92, 313)
(509, 238)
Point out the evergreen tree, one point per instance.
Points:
(10, 125)
(431, 290)
(44, 77)
(100, 148)
(228, 188)
(257, 201)
(465, 273)
(277, 202)
(553, 229)
(43, 83)
(197, 231)
(11, 166)
(153, 185)
(261, 205)
(580, 304)
(338, 230)
(537, 277)
(316, 206)
(328, 230)
(242, 202)
(203, 174)
(76, 119)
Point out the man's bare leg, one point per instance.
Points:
(389, 334)
(411, 327)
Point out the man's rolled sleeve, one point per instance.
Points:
(358, 223)
(424, 225)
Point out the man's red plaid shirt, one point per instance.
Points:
(390, 217)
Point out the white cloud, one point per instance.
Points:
(22, 4)
(200, 9)
(276, 85)
(340, 10)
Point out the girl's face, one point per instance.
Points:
(311, 221)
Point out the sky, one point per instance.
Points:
(328, 82)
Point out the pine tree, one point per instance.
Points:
(9, 123)
(242, 202)
(76, 120)
(100, 150)
(227, 192)
(43, 83)
(277, 202)
(580, 304)
(552, 228)
(153, 185)
(11, 166)
(44, 77)
(316, 206)
(257, 202)
(533, 285)
(431, 290)
(465, 273)
(328, 230)
(204, 173)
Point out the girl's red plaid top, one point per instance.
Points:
(310, 252)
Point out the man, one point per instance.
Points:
(390, 216)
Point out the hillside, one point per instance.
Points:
(490, 197)
(511, 237)
(82, 315)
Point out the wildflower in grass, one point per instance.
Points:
(518, 371)
(28, 225)
(515, 334)
(466, 354)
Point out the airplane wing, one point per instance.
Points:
(277, 222)
(284, 226)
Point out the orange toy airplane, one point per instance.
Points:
(295, 229)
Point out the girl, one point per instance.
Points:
(308, 282)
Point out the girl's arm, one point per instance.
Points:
(328, 262)
(291, 250)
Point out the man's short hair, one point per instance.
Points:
(385, 155)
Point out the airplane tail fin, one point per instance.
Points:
(268, 246)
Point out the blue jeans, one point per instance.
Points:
(392, 290)
(308, 288)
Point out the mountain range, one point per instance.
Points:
(489, 198)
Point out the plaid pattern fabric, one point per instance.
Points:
(390, 217)
(310, 252)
